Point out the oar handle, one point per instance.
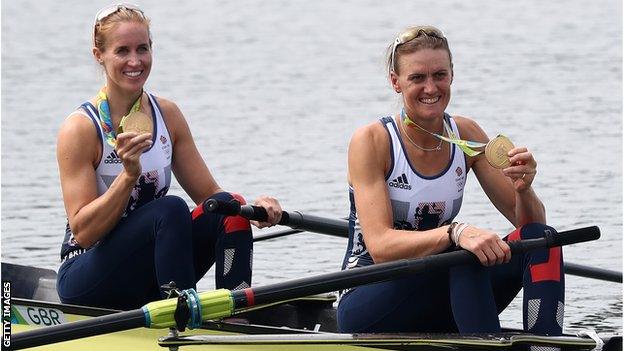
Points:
(294, 219)
(234, 208)
(557, 239)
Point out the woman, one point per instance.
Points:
(124, 237)
(405, 177)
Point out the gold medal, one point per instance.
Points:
(496, 152)
(137, 122)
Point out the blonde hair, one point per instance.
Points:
(413, 39)
(103, 27)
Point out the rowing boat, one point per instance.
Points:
(307, 323)
(284, 316)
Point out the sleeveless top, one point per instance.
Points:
(418, 202)
(152, 184)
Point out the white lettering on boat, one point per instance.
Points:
(41, 316)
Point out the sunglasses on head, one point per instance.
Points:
(107, 11)
(412, 34)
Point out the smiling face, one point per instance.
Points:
(424, 79)
(127, 56)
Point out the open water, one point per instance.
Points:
(273, 91)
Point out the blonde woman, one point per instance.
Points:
(124, 236)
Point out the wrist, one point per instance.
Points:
(128, 179)
(454, 232)
(522, 191)
(449, 231)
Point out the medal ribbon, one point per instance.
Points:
(466, 146)
(105, 118)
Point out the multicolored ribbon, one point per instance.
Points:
(105, 117)
(466, 146)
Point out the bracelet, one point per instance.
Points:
(450, 230)
(455, 235)
(458, 232)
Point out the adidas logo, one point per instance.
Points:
(400, 182)
(112, 158)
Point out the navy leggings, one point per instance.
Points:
(158, 243)
(465, 299)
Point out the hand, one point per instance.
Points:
(129, 148)
(273, 209)
(523, 168)
(489, 248)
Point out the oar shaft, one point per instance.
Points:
(592, 272)
(347, 278)
(310, 223)
(276, 234)
(80, 329)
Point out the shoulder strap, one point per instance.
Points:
(395, 143)
(386, 119)
(91, 112)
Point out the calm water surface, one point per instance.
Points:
(274, 90)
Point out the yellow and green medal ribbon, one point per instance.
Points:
(105, 117)
(466, 146)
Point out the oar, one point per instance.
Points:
(222, 303)
(294, 219)
(276, 234)
(592, 272)
(339, 227)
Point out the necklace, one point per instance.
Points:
(467, 146)
(437, 148)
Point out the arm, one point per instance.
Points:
(91, 217)
(191, 170)
(510, 191)
(368, 162)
